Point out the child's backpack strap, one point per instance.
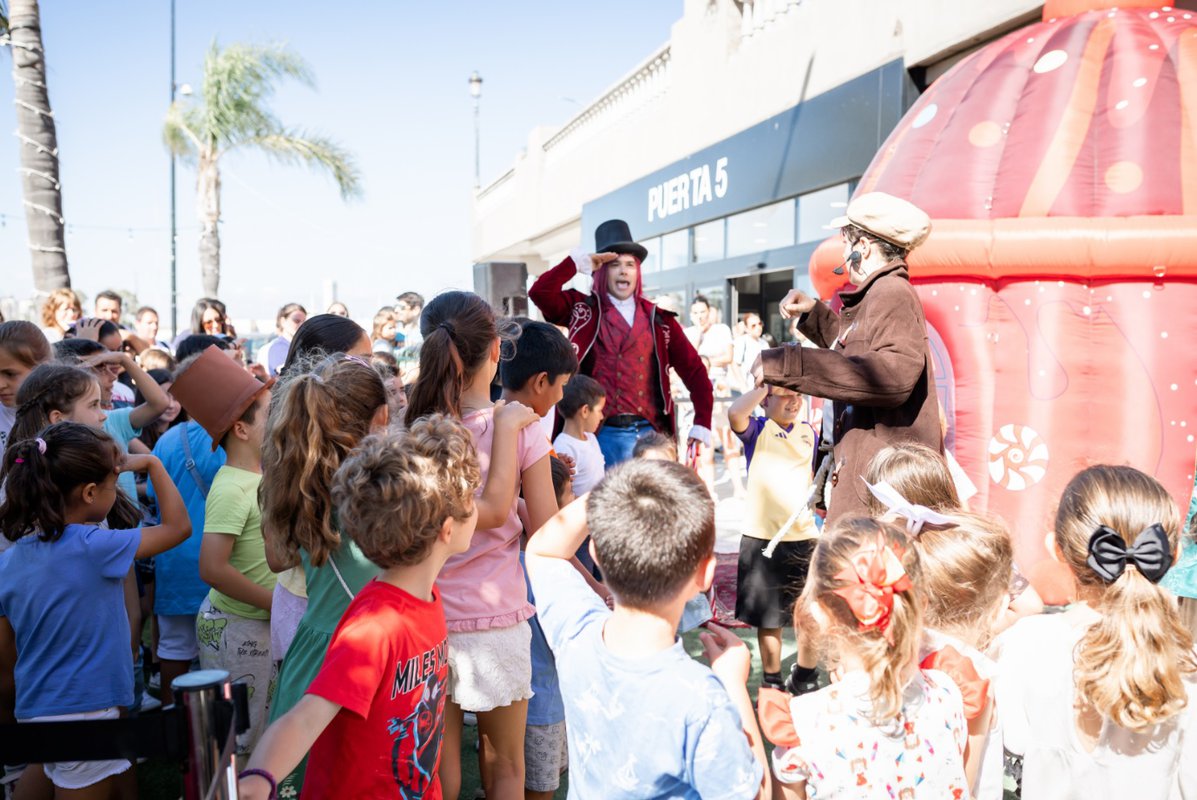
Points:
(190, 465)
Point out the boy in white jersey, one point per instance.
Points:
(779, 530)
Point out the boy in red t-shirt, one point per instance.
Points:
(374, 716)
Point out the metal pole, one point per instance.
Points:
(477, 158)
(199, 692)
(174, 285)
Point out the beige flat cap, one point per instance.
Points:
(893, 219)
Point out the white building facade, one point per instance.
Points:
(729, 148)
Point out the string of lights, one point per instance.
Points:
(75, 227)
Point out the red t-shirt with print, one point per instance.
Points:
(387, 667)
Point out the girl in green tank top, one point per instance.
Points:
(318, 417)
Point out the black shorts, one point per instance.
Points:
(766, 588)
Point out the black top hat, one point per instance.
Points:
(614, 236)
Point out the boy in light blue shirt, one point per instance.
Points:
(186, 452)
(645, 720)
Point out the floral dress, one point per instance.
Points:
(832, 746)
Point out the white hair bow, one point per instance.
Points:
(916, 516)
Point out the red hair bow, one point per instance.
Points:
(873, 574)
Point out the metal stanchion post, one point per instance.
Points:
(199, 693)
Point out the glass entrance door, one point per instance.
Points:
(760, 293)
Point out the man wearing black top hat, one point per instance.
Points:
(625, 342)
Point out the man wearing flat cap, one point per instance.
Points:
(625, 342)
(872, 360)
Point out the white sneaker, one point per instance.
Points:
(471, 719)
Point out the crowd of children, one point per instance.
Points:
(384, 564)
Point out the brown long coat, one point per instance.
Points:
(873, 362)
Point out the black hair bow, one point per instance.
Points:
(1151, 554)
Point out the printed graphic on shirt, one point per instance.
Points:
(411, 673)
(415, 753)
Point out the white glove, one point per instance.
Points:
(701, 434)
(581, 259)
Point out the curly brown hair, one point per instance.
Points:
(56, 300)
(395, 491)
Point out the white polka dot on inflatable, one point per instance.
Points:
(1017, 457)
(925, 115)
(1049, 61)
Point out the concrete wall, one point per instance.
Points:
(727, 66)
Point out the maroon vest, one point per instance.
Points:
(625, 365)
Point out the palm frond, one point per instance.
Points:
(320, 152)
(238, 82)
(179, 131)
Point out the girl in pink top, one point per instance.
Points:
(483, 590)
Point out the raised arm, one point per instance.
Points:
(502, 478)
(548, 291)
(739, 413)
(156, 400)
(821, 325)
(562, 535)
(175, 526)
(816, 320)
(883, 377)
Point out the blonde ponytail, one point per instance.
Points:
(1131, 665)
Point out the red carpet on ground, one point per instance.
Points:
(723, 592)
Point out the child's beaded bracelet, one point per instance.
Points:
(266, 776)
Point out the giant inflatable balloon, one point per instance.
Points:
(1059, 167)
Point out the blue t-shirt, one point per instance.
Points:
(66, 603)
(652, 727)
(117, 426)
(545, 707)
(178, 588)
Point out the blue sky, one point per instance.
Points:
(391, 87)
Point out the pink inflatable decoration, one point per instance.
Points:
(1059, 167)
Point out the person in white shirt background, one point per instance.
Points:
(713, 341)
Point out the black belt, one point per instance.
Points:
(624, 421)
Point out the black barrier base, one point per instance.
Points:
(153, 734)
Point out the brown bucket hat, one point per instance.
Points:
(216, 391)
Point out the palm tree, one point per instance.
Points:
(237, 82)
(22, 31)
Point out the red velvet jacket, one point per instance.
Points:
(582, 313)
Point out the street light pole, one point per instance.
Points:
(476, 93)
(174, 237)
